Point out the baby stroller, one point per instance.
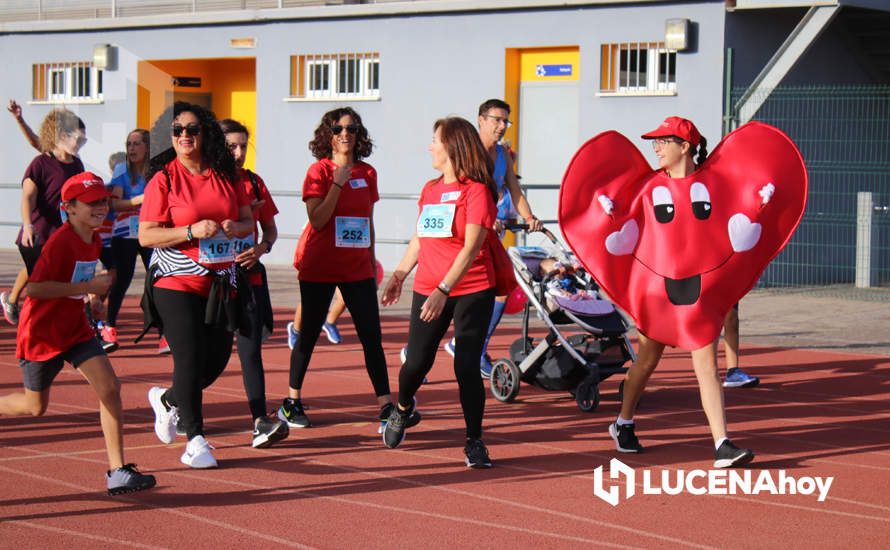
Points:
(563, 299)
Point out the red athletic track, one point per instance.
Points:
(334, 485)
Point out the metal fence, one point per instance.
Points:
(842, 246)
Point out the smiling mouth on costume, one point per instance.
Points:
(683, 292)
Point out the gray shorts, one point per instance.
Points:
(39, 375)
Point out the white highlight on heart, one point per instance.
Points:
(606, 203)
(743, 233)
(621, 243)
(766, 192)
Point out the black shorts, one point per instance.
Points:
(39, 375)
(30, 255)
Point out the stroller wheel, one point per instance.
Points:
(504, 380)
(587, 396)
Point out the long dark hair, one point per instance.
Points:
(213, 143)
(466, 152)
(321, 143)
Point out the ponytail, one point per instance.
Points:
(702, 152)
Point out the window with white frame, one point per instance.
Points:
(335, 76)
(642, 68)
(66, 82)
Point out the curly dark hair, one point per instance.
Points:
(213, 145)
(321, 143)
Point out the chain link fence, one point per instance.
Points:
(842, 247)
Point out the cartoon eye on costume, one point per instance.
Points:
(664, 204)
(701, 201)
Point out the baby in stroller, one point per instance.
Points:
(564, 297)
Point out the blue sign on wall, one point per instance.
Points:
(554, 70)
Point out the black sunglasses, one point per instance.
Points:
(192, 130)
(352, 128)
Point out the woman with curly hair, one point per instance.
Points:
(337, 251)
(192, 207)
(62, 134)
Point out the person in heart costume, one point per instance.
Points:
(678, 246)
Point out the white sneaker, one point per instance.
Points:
(197, 453)
(165, 420)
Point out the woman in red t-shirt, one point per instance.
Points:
(455, 278)
(338, 252)
(192, 207)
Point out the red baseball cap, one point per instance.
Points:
(676, 126)
(85, 187)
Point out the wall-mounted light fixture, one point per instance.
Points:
(105, 57)
(676, 34)
(242, 42)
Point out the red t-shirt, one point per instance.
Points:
(264, 213)
(474, 204)
(341, 251)
(189, 199)
(48, 327)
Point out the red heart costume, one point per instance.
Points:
(676, 254)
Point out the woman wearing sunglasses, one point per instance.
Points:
(338, 252)
(192, 207)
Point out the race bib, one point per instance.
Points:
(83, 272)
(242, 244)
(353, 232)
(216, 250)
(435, 220)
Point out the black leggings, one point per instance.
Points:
(124, 252)
(471, 314)
(250, 353)
(200, 352)
(361, 301)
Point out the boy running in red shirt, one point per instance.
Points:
(53, 327)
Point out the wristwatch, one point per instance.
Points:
(268, 246)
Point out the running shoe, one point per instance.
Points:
(476, 454)
(268, 431)
(396, 424)
(197, 454)
(291, 411)
(127, 479)
(386, 411)
(449, 347)
(292, 336)
(165, 418)
(10, 309)
(163, 346)
(728, 455)
(330, 330)
(737, 378)
(625, 439)
(108, 337)
(485, 366)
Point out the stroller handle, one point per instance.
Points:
(525, 226)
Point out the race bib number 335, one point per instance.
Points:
(435, 220)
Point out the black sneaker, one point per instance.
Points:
(625, 439)
(127, 479)
(477, 454)
(394, 430)
(267, 431)
(413, 419)
(292, 412)
(728, 455)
